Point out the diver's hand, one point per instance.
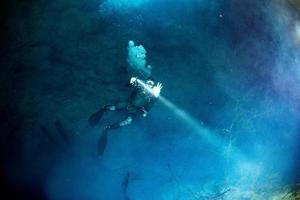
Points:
(133, 80)
(156, 89)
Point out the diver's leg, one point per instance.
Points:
(95, 118)
(121, 106)
(122, 123)
(103, 138)
(102, 141)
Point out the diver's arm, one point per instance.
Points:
(139, 84)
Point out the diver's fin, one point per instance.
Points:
(102, 142)
(95, 118)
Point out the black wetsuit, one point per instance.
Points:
(140, 102)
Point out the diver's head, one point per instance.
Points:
(150, 83)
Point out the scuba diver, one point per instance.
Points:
(141, 101)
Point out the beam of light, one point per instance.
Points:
(196, 126)
(206, 134)
(218, 144)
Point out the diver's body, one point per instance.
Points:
(140, 103)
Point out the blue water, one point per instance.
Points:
(227, 128)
